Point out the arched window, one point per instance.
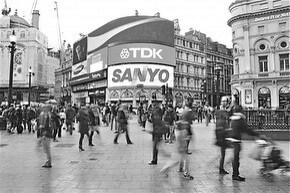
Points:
(264, 97)
(114, 95)
(284, 97)
(127, 94)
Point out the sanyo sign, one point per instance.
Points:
(141, 52)
(133, 74)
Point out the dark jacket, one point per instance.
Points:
(239, 126)
(122, 119)
(158, 125)
(83, 119)
(45, 124)
(169, 116)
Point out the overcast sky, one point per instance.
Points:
(84, 16)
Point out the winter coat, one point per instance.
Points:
(122, 119)
(169, 116)
(159, 126)
(83, 119)
(239, 126)
(70, 114)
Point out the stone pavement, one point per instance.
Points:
(124, 168)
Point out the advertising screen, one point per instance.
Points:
(97, 60)
(80, 51)
(79, 69)
(141, 52)
(146, 74)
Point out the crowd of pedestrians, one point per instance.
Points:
(165, 122)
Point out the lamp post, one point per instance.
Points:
(29, 90)
(217, 70)
(13, 40)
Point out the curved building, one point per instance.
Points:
(261, 47)
(129, 58)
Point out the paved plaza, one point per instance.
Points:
(111, 168)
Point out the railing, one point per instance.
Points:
(268, 119)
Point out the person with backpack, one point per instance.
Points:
(170, 117)
(45, 127)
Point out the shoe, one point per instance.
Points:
(238, 178)
(116, 132)
(55, 140)
(166, 141)
(115, 142)
(189, 153)
(152, 163)
(47, 165)
(81, 149)
(188, 177)
(90, 144)
(130, 143)
(223, 172)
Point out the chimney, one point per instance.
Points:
(35, 19)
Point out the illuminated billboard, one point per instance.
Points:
(141, 53)
(97, 60)
(79, 69)
(80, 51)
(146, 74)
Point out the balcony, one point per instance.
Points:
(262, 75)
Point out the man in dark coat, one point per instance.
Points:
(83, 119)
(239, 126)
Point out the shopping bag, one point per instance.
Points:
(256, 152)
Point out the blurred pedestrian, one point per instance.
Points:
(170, 117)
(83, 119)
(55, 122)
(189, 115)
(122, 119)
(70, 114)
(180, 153)
(45, 127)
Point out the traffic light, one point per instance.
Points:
(203, 87)
(163, 89)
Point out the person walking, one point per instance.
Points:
(55, 122)
(45, 127)
(159, 129)
(180, 153)
(70, 114)
(29, 117)
(222, 125)
(239, 126)
(122, 119)
(207, 113)
(170, 117)
(92, 124)
(83, 119)
(144, 115)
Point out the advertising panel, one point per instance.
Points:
(97, 60)
(80, 51)
(87, 77)
(79, 69)
(137, 74)
(141, 52)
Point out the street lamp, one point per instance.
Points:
(217, 70)
(29, 91)
(13, 39)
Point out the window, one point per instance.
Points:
(263, 63)
(282, 26)
(284, 62)
(22, 34)
(262, 47)
(277, 3)
(283, 44)
(261, 29)
(263, 5)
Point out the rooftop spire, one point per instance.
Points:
(5, 10)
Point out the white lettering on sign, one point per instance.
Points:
(272, 17)
(141, 53)
(145, 74)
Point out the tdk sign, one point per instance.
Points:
(141, 53)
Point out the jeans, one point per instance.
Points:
(236, 163)
(82, 137)
(119, 132)
(156, 141)
(222, 160)
(46, 148)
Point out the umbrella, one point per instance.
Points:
(51, 101)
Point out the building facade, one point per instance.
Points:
(31, 52)
(261, 47)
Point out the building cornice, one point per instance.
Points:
(255, 14)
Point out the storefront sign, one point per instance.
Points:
(80, 87)
(142, 52)
(102, 74)
(272, 17)
(133, 75)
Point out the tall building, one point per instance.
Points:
(197, 59)
(31, 52)
(261, 47)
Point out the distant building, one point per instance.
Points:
(261, 47)
(31, 51)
